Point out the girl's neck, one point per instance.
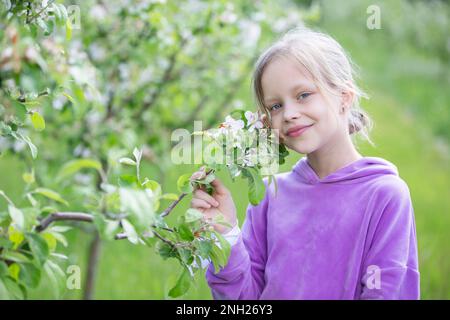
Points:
(333, 156)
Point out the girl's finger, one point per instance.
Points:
(199, 203)
(219, 187)
(203, 195)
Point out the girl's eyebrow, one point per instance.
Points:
(294, 88)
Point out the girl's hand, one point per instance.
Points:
(220, 202)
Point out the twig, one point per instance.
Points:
(58, 216)
(40, 11)
(173, 205)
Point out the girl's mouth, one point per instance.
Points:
(298, 132)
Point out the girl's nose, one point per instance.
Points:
(291, 112)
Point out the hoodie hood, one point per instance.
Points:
(355, 172)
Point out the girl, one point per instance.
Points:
(341, 225)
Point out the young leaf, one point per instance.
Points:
(27, 140)
(17, 216)
(68, 29)
(28, 177)
(15, 256)
(127, 161)
(182, 285)
(15, 236)
(14, 270)
(185, 232)
(13, 288)
(74, 166)
(256, 188)
(137, 155)
(38, 121)
(129, 230)
(29, 275)
(217, 257)
(193, 215)
(56, 276)
(140, 207)
(38, 247)
(184, 183)
(51, 195)
(224, 244)
(154, 186)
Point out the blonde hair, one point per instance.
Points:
(329, 65)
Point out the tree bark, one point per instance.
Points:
(93, 258)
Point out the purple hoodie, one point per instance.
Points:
(350, 235)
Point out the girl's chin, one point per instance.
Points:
(300, 147)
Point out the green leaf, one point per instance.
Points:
(5, 243)
(184, 183)
(17, 217)
(15, 256)
(38, 247)
(51, 195)
(137, 155)
(140, 207)
(4, 292)
(165, 250)
(29, 275)
(193, 215)
(182, 285)
(185, 232)
(14, 289)
(170, 196)
(129, 230)
(68, 29)
(27, 140)
(3, 269)
(74, 166)
(127, 161)
(57, 277)
(28, 177)
(186, 255)
(60, 238)
(21, 110)
(38, 121)
(128, 180)
(217, 257)
(154, 186)
(14, 271)
(69, 97)
(204, 248)
(51, 240)
(256, 187)
(15, 236)
(225, 245)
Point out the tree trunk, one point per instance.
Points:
(94, 254)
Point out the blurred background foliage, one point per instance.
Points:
(137, 70)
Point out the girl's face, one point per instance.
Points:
(293, 101)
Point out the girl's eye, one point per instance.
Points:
(275, 106)
(304, 95)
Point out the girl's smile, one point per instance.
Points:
(297, 130)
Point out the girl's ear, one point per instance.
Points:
(347, 100)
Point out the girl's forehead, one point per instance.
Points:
(285, 74)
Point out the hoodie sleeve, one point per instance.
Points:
(391, 266)
(243, 276)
